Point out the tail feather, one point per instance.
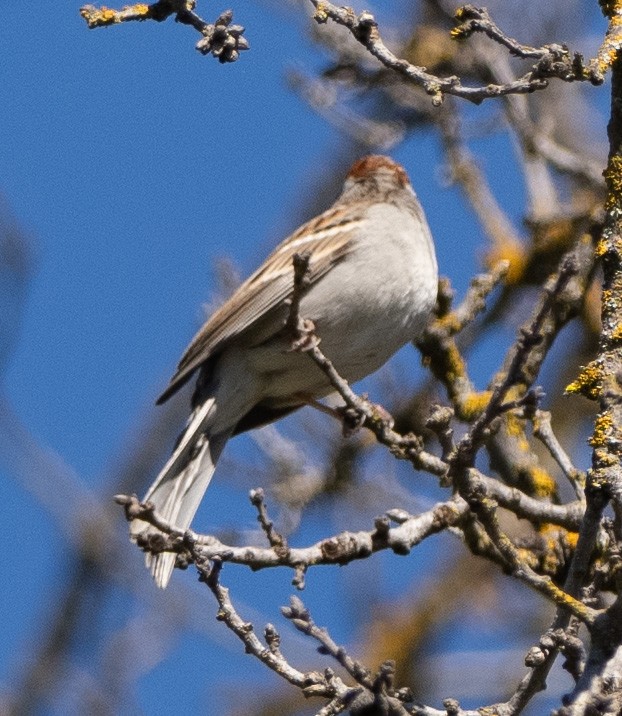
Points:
(197, 425)
(180, 486)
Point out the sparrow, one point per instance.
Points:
(371, 285)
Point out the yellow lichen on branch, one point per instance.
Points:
(610, 8)
(98, 17)
(608, 51)
(472, 405)
(542, 482)
(603, 427)
(103, 16)
(320, 15)
(588, 382)
(613, 178)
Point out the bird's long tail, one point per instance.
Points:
(178, 489)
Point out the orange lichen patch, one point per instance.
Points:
(456, 362)
(140, 9)
(542, 482)
(461, 32)
(572, 538)
(515, 426)
(548, 530)
(107, 15)
(606, 243)
(458, 33)
(526, 556)
(610, 8)
(552, 535)
(589, 382)
(603, 426)
(512, 252)
(605, 459)
(473, 405)
(454, 367)
(606, 59)
(601, 248)
(613, 178)
(608, 296)
(568, 602)
(450, 323)
(320, 13)
(550, 560)
(97, 18)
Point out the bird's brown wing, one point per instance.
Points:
(327, 238)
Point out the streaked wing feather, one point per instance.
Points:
(328, 238)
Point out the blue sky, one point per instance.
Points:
(133, 164)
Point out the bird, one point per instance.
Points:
(370, 288)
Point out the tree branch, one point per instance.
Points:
(220, 39)
(552, 60)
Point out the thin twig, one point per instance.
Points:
(221, 39)
(528, 338)
(276, 540)
(300, 617)
(552, 60)
(311, 683)
(543, 430)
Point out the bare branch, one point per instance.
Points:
(276, 540)
(221, 39)
(311, 683)
(552, 60)
(339, 549)
(543, 430)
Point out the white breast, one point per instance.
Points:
(380, 297)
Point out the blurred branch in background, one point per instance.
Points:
(16, 268)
